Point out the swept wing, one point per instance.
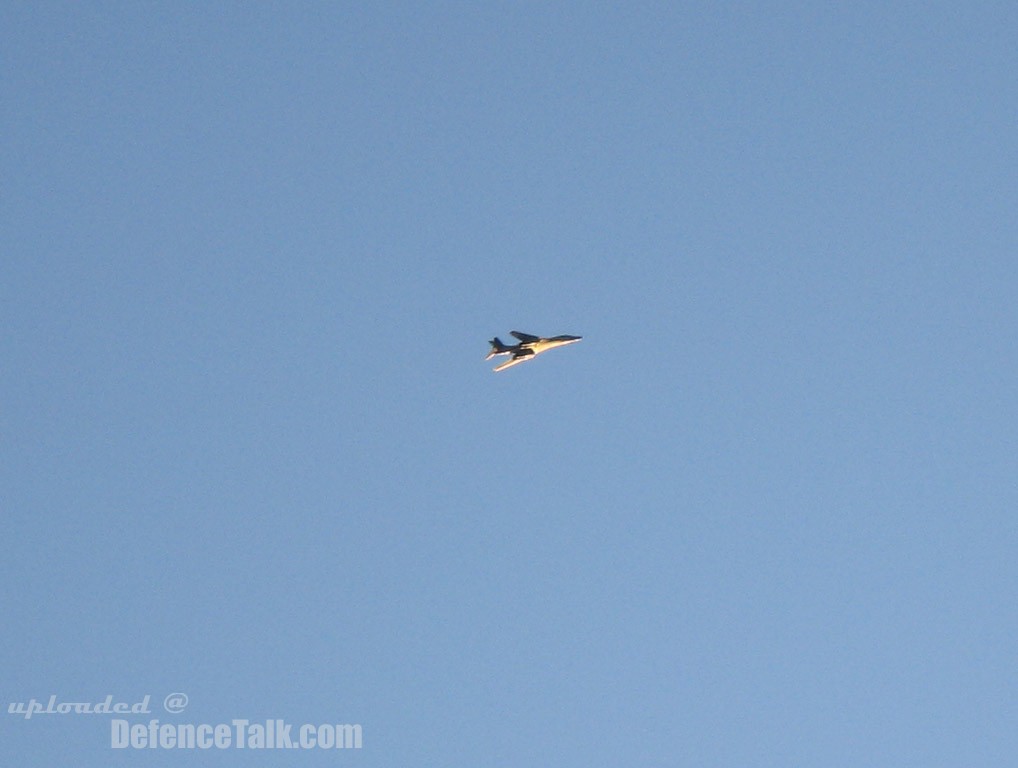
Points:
(518, 357)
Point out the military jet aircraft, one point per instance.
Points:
(528, 348)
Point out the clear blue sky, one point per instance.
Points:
(763, 515)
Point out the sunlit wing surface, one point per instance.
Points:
(526, 338)
(515, 359)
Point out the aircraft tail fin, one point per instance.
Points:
(497, 348)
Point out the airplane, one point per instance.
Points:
(528, 348)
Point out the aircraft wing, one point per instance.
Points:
(526, 338)
(515, 359)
